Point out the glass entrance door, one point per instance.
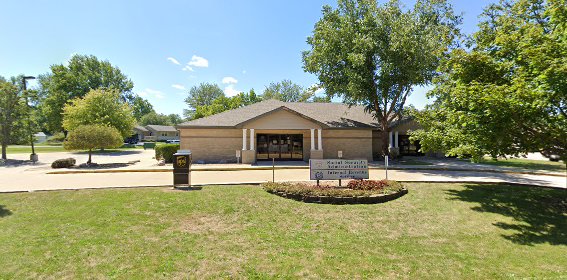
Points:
(279, 146)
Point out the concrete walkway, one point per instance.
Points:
(35, 177)
(33, 181)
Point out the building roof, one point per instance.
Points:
(330, 115)
(140, 128)
(40, 134)
(161, 128)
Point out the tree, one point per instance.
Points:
(174, 119)
(141, 107)
(154, 118)
(100, 107)
(82, 74)
(374, 55)
(224, 103)
(12, 113)
(506, 94)
(202, 95)
(286, 91)
(95, 136)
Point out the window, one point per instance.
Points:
(164, 134)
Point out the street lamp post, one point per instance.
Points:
(33, 156)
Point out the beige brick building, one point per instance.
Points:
(288, 131)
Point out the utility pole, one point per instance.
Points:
(33, 156)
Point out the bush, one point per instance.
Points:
(305, 189)
(58, 137)
(63, 163)
(373, 184)
(166, 152)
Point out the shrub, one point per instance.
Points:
(305, 189)
(166, 152)
(373, 184)
(63, 163)
(58, 137)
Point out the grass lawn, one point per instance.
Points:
(436, 231)
(528, 164)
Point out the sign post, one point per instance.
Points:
(386, 164)
(338, 169)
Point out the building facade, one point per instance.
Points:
(284, 131)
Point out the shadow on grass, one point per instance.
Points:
(4, 212)
(540, 214)
(527, 164)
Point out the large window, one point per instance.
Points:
(408, 147)
(279, 146)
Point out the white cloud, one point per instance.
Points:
(231, 91)
(197, 61)
(318, 89)
(188, 68)
(229, 80)
(148, 92)
(173, 60)
(177, 86)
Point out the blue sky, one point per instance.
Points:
(166, 47)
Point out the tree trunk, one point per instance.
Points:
(4, 146)
(90, 152)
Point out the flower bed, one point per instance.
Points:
(356, 192)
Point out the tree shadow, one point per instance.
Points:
(4, 212)
(540, 214)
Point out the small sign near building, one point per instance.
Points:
(337, 169)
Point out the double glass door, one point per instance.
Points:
(279, 146)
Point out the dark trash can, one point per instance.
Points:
(182, 168)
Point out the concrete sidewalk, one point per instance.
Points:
(33, 181)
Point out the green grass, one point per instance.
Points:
(458, 231)
(528, 164)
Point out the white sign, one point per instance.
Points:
(335, 169)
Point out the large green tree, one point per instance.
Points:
(374, 54)
(12, 112)
(507, 94)
(94, 136)
(224, 103)
(100, 107)
(286, 91)
(201, 95)
(75, 79)
(154, 118)
(141, 107)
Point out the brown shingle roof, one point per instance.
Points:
(332, 115)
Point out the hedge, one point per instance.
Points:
(63, 163)
(166, 152)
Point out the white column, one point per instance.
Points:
(244, 139)
(319, 142)
(396, 139)
(312, 139)
(252, 139)
(390, 140)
